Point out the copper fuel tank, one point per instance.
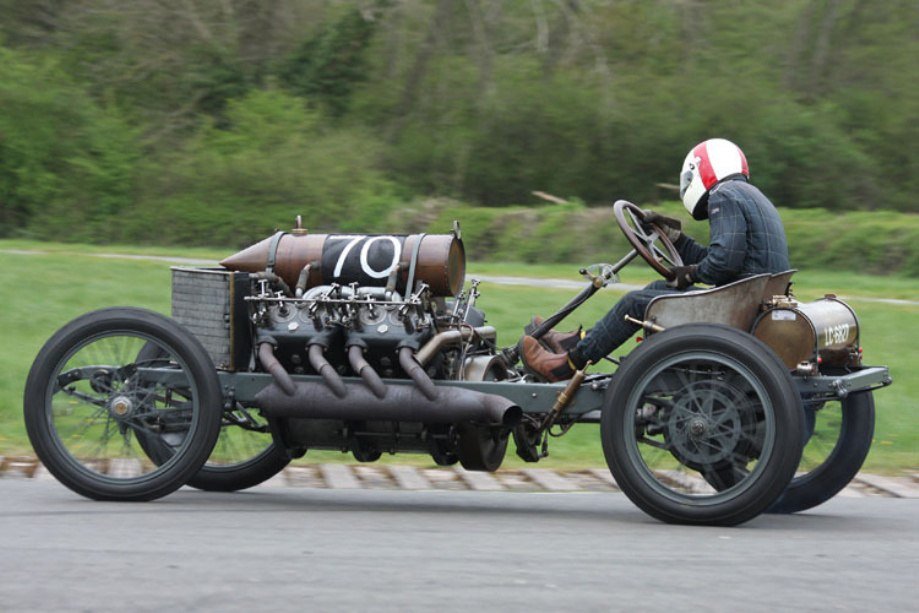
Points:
(366, 259)
(803, 332)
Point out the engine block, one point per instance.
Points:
(356, 312)
(336, 318)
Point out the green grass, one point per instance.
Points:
(203, 253)
(42, 292)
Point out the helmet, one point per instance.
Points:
(705, 165)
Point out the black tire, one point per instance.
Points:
(715, 398)
(229, 469)
(241, 475)
(232, 476)
(848, 450)
(122, 401)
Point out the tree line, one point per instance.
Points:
(206, 121)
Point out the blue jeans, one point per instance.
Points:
(613, 329)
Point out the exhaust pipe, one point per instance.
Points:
(329, 375)
(414, 370)
(314, 400)
(366, 371)
(271, 364)
(449, 338)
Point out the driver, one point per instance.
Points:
(746, 238)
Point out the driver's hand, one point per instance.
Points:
(671, 226)
(684, 276)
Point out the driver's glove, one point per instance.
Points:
(671, 226)
(684, 276)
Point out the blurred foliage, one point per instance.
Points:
(878, 242)
(272, 161)
(196, 122)
(61, 154)
(327, 67)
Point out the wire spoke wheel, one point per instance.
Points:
(91, 403)
(244, 455)
(244, 435)
(700, 428)
(697, 415)
(839, 439)
(101, 403)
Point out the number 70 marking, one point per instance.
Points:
(353, 241)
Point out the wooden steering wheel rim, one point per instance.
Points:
(644, 245)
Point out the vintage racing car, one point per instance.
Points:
(371, 344)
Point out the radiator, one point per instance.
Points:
(210, 303)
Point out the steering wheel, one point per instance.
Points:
(661, 258)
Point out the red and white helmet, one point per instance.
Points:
(706, 164)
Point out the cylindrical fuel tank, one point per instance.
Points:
(797, 332)
(366, 259)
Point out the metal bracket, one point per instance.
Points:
(411, 269)
(273, 251)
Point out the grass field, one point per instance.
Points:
(42, 291)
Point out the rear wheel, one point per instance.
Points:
(89, 401)
(841, 433)
(702, 402)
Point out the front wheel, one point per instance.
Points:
(244, 456)
(89, 401)
(695, 402)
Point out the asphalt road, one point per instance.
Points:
(322, 550)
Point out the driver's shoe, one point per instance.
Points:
(555, 341)
(550, 366)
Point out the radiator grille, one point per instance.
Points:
(205, 301)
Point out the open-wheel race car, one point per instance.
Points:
(372, 344)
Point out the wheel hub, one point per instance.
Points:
(704, 427)
(698, 428)
(121, 407)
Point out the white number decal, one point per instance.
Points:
(836, 335)
(396, 252)
(344, 252)
(365, 251)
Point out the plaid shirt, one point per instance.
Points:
(746, 236)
